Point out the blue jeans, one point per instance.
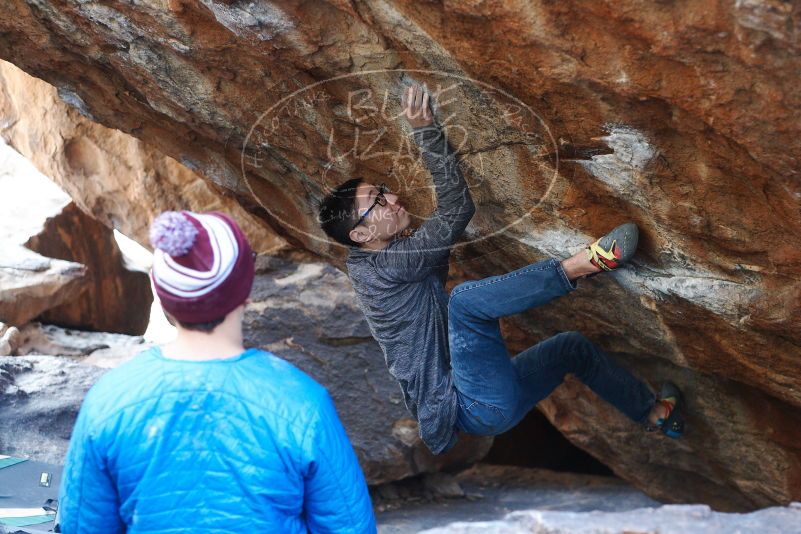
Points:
(494, 391)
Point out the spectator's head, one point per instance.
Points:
(203, 267)
(342, 214)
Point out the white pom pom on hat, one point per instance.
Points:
(173, 233)
(203, 265)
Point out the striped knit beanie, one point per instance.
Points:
(203, 266)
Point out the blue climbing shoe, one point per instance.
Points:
(672, 425)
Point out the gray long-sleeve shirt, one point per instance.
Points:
(402, 293)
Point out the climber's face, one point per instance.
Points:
(382, 217)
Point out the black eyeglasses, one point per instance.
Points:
(380, 200)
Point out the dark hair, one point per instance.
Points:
(338, 212)
(207, 326)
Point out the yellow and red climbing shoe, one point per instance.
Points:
(615, 248)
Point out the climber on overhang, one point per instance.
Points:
(448, 355)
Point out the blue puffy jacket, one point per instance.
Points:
(249, 443)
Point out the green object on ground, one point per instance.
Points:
(6, 461)
(25, 521)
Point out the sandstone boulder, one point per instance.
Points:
(119, 296)
(42, 388)
(40, 397)
(570, 118)
(41, 218)
(101, 349)
(10, 339)
(30, 283)
(120, 181)
(676, 519)
(491, 492)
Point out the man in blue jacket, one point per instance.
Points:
(202, 435)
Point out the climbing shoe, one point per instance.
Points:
(672, 424)
(614, 249)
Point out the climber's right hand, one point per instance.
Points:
(416, 109)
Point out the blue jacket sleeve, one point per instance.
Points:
(88, 500)
(335, 492)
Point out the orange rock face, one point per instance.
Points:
(570, 118)
(60, 265)
(113, 177)
(118, 298)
